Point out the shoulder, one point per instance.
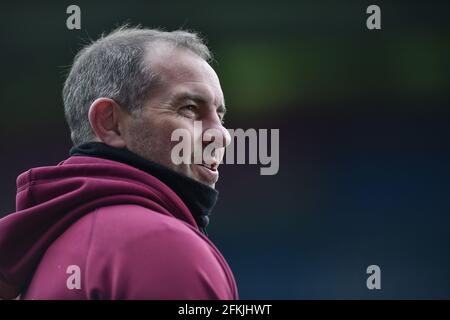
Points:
(134, 227)
(126, 223)
(136, 253)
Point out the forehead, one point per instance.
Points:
(181, 70)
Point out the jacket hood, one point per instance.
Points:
(51, 199)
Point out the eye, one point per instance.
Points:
(190, 107)
(188, 110)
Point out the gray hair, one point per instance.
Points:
(114, 67)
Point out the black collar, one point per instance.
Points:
(198, 197)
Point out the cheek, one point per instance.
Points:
(186, 125)
(156, 131)
(154, 137)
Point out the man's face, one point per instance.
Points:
(189, 91)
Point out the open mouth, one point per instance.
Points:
(207, 173)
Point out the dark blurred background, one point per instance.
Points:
(364, 127)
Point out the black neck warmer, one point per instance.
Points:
(198, 197)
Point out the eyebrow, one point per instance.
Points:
(198, 99)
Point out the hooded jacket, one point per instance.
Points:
(94, 228)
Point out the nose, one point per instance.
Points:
(218, 133)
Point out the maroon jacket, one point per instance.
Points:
(91, 228)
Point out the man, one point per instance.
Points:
(119, 219)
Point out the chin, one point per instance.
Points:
(202, 181)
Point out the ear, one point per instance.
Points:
(106, 119)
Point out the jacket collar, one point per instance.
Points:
(198, 197)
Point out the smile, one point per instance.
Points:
(206, 173)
